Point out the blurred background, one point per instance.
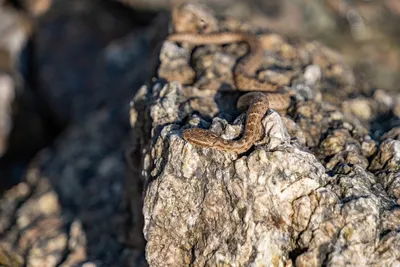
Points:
(69, 69)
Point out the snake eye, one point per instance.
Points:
(212, 136)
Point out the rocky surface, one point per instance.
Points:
(321, 187)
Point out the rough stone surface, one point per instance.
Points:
(320, 189)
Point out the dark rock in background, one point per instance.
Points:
(89, 58)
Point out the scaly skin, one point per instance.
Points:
(245, 69)
(258, 102)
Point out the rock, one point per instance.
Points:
(204, 208)
(314, 191)
(36, 226)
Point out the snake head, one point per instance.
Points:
(200, 136)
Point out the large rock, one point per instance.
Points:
(316, 190)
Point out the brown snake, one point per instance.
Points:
(258, 102)
(246, 67)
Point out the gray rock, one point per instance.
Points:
(275, 205)
(316, 190)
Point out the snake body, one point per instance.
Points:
(246, 67)
(258, 103)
